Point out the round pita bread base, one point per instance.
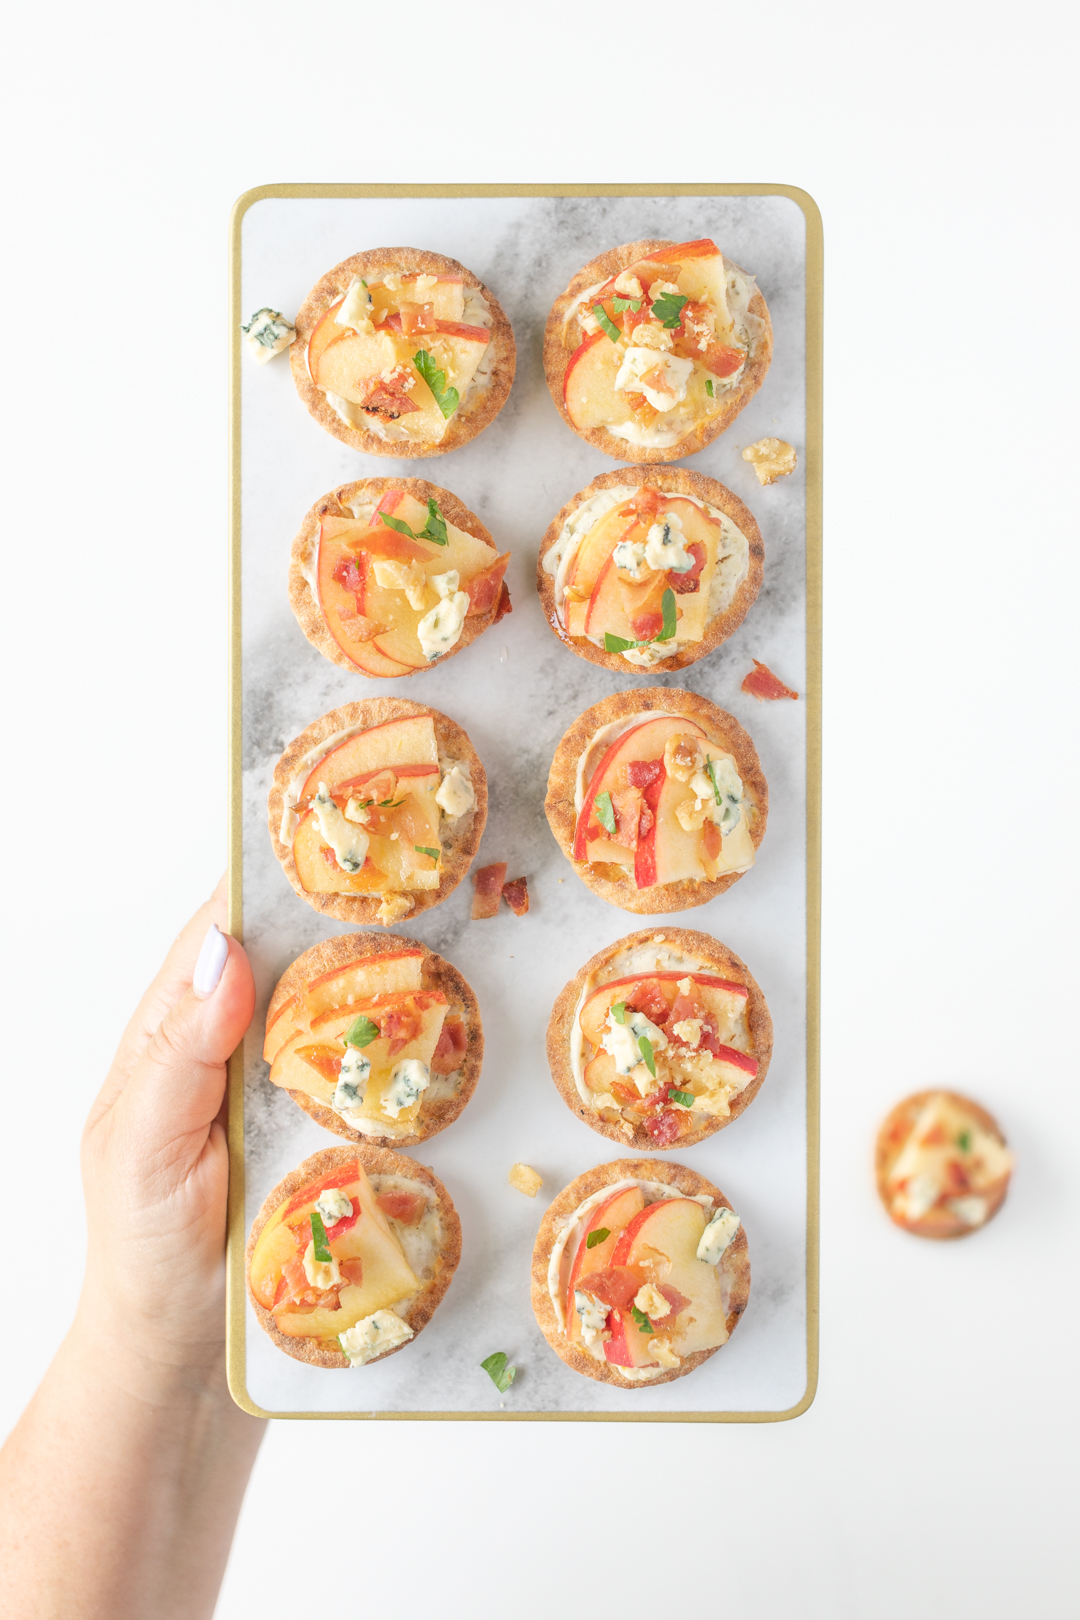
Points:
(471, 418)
(377, 1162)
(735, 1263)
(939, 1224)
(673, 481)
(453, 741)
(305, 602)
(558, 352)
(721, 727)
(691, 943)
(435, 974)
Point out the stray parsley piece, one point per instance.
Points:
(645, 1048)
(447, 399)
(618, 1011)
(709, 388)
(601, 1235)
(617, 644)
(500, 1374)
(318, 1238)
(388, 804)
(361, 1032)
(668, 309)
(626, 303)
(435, 527)
(606, 322)
(685, 1099)
(422, 849)
(605, 815)
(710, 772)
(644, 1325)
(963, 1141)
(396, 523)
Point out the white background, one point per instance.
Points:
(933, 1473)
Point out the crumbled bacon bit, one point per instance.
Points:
(516, 895)
(642, 773)
(489, 886)
(352, 1271)
(762, 684)
(450, 1048)
(405, 1207)
(663, 1127)
(504, 606)
(682, 584)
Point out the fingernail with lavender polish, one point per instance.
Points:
(211, 964)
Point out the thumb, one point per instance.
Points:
(177, 1085)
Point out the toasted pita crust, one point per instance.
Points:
(734, 1263)
(458, 854)
(691, 943)
(479, 409)
(721, 727)
(304, 601)
(377, 1162)
(673, 481)
(557, 354)
(435, 974)
(940, 1224)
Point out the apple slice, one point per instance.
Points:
(642, 742)
(319, 873)
(282, 1027)
(596, 547)
(446, 297)
(699, 274)
(340, 606)
(409, 740)
(664, 1240)
(327, 331)
(362, 981)
(347, 364)
(612, 1214)
(589, 385)
(593, 1015)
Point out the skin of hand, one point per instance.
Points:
(120, 1486)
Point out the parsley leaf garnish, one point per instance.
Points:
(389, 804)
(500, 1374)
(422, 849)
(710, 772)
(601, 1235)
(618, 1011)
(434, 529)
(318, 1238)
(645, 1048)
(668, 309)
(626, 303)
(686, 1099)
(361, 1032)
(605, 815)
(617, 644)
(606, 322)
(709, 388)
(644, 1325)
(447, 399)
(963, 1141)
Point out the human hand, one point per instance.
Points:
(155, 1163)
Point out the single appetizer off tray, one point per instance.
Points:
(657, 799)
(660, 1039)
(375, 1037)
(942, 1165)
(640, 1272)
(350, 1255)
(402, 353)
(649, 568)
(377, 809)
(390, 575)
(655, 347)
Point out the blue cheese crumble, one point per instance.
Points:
(374, 1336)
(266, 334)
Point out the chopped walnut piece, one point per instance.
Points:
(394, 907)
(525, 1179)
(771, 458)
(682, 757)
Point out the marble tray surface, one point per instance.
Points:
(515, 691)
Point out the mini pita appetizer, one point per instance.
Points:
(649, 569)
(640, 1272)
(390, 575)
(657, 799)
(942, 1165)
(350, 1256)
(402, 353)
(377, 809)
(375, 1037)
(655, 347)
(661, 1039)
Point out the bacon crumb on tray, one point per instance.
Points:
(516, 895)
(762, 684)
(489, 882)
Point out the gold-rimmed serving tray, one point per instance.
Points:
(515, 691)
